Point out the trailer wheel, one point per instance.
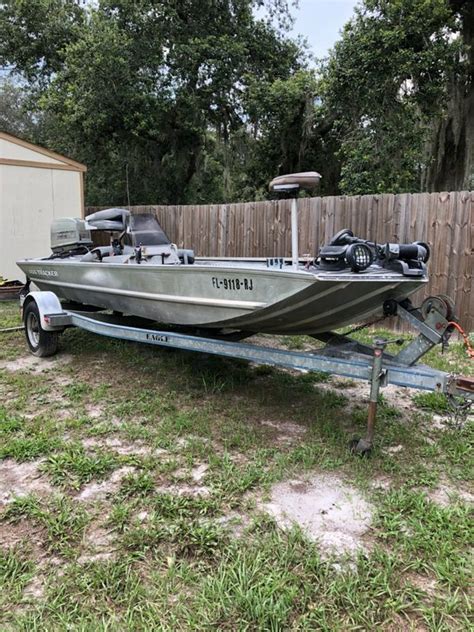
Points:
(42, 343)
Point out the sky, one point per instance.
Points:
(320, 21)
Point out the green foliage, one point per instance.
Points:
(435, 402)
(25, 441)
(137, 485)
(204, 101)
(62, 519)
(385, 82)
(15, 115)
(418, 525)
(151, 97)
(283, 120)
(75, 467)
(34, 35)
(16, 570)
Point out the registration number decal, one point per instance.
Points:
(232, 284)
(44, 273)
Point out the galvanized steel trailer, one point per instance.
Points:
(45, 318)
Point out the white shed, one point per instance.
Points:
(36, 185)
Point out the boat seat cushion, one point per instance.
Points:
(113, 219)
(305, 180)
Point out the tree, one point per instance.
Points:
(151, 96)
(386, 82)
(200, 100)
(34, 35)
(282, 119)
(15, 115)
(451, 146)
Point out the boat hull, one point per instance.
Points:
(244, 295)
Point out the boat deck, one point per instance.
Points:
(373, 273)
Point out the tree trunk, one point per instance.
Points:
(452, 144)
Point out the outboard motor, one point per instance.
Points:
(69, 234)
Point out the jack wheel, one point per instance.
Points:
(42, 343)
(360, 447)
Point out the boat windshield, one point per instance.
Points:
(146, 231)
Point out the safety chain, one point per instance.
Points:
(460, 407)
(460, 410)
(465, 337)
(364, 326)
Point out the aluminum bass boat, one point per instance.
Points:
(142, 273)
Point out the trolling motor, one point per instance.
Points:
(347, 251)
(409, 259)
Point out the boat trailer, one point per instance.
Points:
(45, 318)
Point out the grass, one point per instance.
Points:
(434, 402)
(62, 520)
(16, 571)
(140, 484)
(10, 314)
(22, 440)
(166, 548)
(432, 540)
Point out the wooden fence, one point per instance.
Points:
(444, 220)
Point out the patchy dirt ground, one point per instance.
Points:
(122, 447)
(326, 508)
(36, 365)
(99, 491)
(447, 494)
(142, 489)
(21, 479)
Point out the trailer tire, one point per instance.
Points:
(41, 343)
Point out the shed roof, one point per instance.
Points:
(60, 162)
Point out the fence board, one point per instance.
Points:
(262, 229)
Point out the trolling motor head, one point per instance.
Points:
(417, 251)
(292, 183)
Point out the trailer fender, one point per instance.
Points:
(47, 303)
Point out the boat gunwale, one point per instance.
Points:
(326, 276)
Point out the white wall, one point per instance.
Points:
(12, 151)
(30, 198)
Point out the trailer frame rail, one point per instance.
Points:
(341, 356)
